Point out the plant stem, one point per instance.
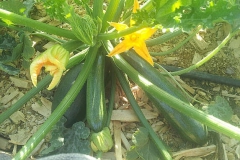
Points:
(97, 9)
(209, 120)
(24, 99)
(207, 58)
(23, 21)
(109, 15)
(113, 35)
(119, 11)
(43, 83)
(159, 144)
(61, 108)
(163, 38)
(180, 44)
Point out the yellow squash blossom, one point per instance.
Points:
(53, 60)
(134, 40)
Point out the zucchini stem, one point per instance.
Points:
(23, 21)
(208, 57)
(179, 45)
(113, 35)
(160, 145)
(109, 15)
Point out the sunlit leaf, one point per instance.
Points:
(220, 108)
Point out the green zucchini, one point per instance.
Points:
(187, 127)
(77, 111)
(96, 106)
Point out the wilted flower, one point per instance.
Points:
(53, 60)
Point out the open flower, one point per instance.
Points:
(134, 40)
(53, 60)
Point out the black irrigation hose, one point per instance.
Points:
(205, 76)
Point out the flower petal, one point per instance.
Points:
(118, 26)
(142, 51)
(36, 67)
(56, 78)
(135, 6)
(121, 47)
(146, 33)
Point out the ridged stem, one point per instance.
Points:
(24, 21)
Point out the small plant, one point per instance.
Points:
(121, 27)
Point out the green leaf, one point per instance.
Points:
(188, 14)
(7, 42)
(207, 13)
(54, 8)
(170, 6)
(144, 148)
(23, 48)
(27, 50)
(220, 108)
(15, 6)
(140, 137)
(28, 5)
(83, 27)
(17, 51)
(57, 139)
(76, 140)
(69, 140)
(9, 69)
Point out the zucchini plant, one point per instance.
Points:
(105, 32)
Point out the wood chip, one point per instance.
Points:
(8, 98)
(130, 116)
(41, 109)
(117, 139)
(171, 60)
(20, 138)
(226, 94)
(21, 83)
(234, 43)
(17, 116)
(184, 85)
(108, 156)
(237, 151)
(4, 144)
(202, 151)
(199, 41)
(46, 103)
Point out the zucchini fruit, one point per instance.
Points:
(77, 111)
(187, 127)
(96, 106)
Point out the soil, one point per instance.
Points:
(16, 130)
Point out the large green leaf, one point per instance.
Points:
(188, 14)
(144, 148)
(15, 6)
(220, 108)
(207, 13)
(69, 140)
